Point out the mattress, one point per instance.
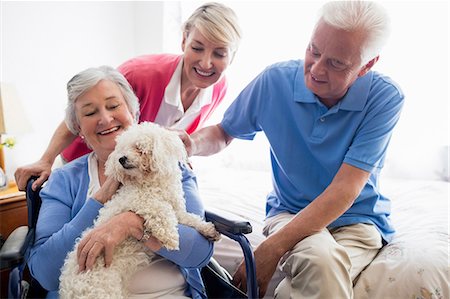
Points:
(414, 265)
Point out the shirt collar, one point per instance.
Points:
(172, 95)
(354, 100)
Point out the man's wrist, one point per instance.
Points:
(279, 244)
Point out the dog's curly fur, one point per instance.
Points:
(145, 161)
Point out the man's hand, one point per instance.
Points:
(206, 141)
(40, 169)
(266, 261)
(187, 141)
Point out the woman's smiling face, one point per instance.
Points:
(204, 62)
(102, 114)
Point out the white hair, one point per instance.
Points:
(87, 79)
(366, 16)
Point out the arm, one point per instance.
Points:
(328, 206)
(206, 141)
(63, 216)
(105, 237)
(42, 168)
(195, 251)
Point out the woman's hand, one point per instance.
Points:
(104, 238)
(107, 190)
(41, 169)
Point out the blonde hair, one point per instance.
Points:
(217, 22)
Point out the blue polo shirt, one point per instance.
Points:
(309, 142)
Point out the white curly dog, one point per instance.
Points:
(145, 161)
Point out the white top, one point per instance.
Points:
(94, 182)
(171, 112)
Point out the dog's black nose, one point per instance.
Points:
(123, 160)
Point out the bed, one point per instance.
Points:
(414, 265)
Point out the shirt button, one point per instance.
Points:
(322, 119)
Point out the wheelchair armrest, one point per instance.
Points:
(226, 224)
(13, 250)
(235, 229)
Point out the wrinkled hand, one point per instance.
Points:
(107, 190)
(266, 261)
(102, 240)
(187, 141)
(40, 169)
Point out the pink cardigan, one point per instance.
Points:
(149, 75)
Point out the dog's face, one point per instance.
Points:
(145, 150)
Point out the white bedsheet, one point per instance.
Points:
(414, 265)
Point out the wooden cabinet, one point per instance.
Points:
(13, 213)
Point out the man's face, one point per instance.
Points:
(333, 62)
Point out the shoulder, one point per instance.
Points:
(156, 67)
(150, 62)
(73, 173)
(285, 66)
(68, 183)
(75, 166)
(384, 85)
(282, 71)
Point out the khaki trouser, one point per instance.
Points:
(325, 264)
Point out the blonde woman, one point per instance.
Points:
(177, 91)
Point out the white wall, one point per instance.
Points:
(44, 43)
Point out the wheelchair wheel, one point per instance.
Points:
(218, 282)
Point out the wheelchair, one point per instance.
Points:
(217, 280)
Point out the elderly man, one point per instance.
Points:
(328, 119)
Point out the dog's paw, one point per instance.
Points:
(209, 231)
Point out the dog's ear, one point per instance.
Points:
(145, 151)
(175, 146)
(167, 150)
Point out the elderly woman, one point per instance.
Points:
(101, 105)
(177, 91)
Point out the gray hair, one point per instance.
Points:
(367, 16)
(217, 22)
(87, 79)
